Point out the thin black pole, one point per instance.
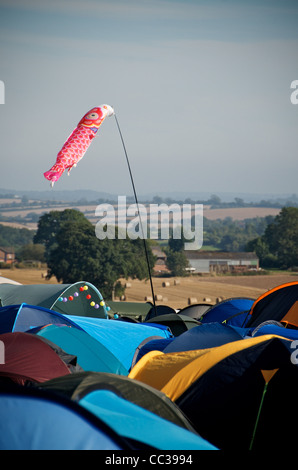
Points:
(137, 203)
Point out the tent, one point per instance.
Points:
(231, 311)
(204, 336)
(29, 358)
(119, 402)
(220, 390)
(5, 280)
(195, 311)
(152, 343)
(121, 338)
(200, 337)
(76, 386)
(129, 309)
(91, 354)
(275, 328)
(35, 420)
(279, 303)
(80, 298)
(25, 317)
(134, 422)
(159, 310)
(178, 323)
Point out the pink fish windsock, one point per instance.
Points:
(78, 142)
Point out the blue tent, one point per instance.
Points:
(133, 422)
(150, 344)
(233, 311)
(271, 329)
(201, 337)
(35, 420)
(204, 336)
(121, 338)
(91, 354)
(23, 317)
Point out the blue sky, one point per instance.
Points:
(201, 90)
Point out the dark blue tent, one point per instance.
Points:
(35, 420)
(150, 344)
(201, 337)
(24, 317)
(204, 336)
(234, 312)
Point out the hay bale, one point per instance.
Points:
(127, 285)
(148, 298)
(206, 299)
(166, 284)
(192, 300)
(176, 282)
(158, 297)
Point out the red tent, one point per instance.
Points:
(28, 357)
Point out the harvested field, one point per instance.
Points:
(240, 213)
(206, 289)
(27, 276)
(203, 289)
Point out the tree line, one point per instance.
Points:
(66, 241)
(278, 246)
(233, 235)
(73, 252)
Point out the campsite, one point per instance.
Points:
(149, 229)
(128, 375)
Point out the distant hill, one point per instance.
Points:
(61, 195)
(93, 196)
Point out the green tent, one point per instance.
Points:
(177, 322)
(80, 298)
(132, 390)
(136, 310)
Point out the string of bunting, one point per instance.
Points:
(88, 297)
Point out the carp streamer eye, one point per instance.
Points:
(92, 116)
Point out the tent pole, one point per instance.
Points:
(137, 204)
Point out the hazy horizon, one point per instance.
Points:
(201, 90)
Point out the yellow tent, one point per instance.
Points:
(174, 373)
(222, 390)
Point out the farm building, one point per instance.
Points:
(160, 264)
(7, 255)
(216, 261)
